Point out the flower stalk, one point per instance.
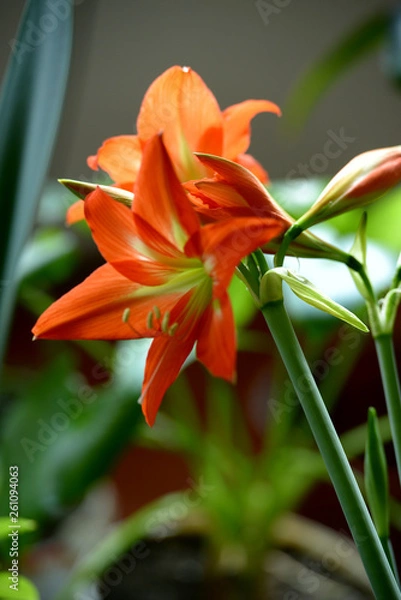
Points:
(360, 523)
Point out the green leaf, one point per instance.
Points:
(306, 291)
(24, 526)
(25, 590)
(354, 440)
(30, 108)
(376, 478)
(321, 76)
(64, 434)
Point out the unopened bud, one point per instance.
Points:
(362, 181)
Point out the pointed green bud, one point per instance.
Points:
(376, 478)
(306, 291)
(82, 188)
(362, 181)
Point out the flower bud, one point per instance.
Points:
(362, 181)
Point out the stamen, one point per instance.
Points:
(125, 319)
(165, 321)
(172, 329)
(149, 320)
(156, 312)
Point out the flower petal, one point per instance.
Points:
(93, 310)
(226, 243)
(167, 355)
(181, 105)
(160, 199)
(115, 233)
(245, 184)
(216, 346)
(120, 157)
(250, 163)
(237, 119)
(165, 359)
(75, 212)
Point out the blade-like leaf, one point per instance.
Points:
(306, 291)
(30, 107)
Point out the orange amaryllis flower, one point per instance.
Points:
(166, 277)
(234, 191)
(180, 104)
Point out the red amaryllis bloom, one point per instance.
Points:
(166, 277)
(181, 105)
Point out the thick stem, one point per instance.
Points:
(392, 390)
(360, 523)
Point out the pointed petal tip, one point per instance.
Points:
(149, 421)
(92, 163)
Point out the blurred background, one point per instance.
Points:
(242, 49)
(100, 464)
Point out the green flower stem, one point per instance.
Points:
(370, 548)
(392, 390)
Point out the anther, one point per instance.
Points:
(166, 318)
(171, 330)
(149, 320)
